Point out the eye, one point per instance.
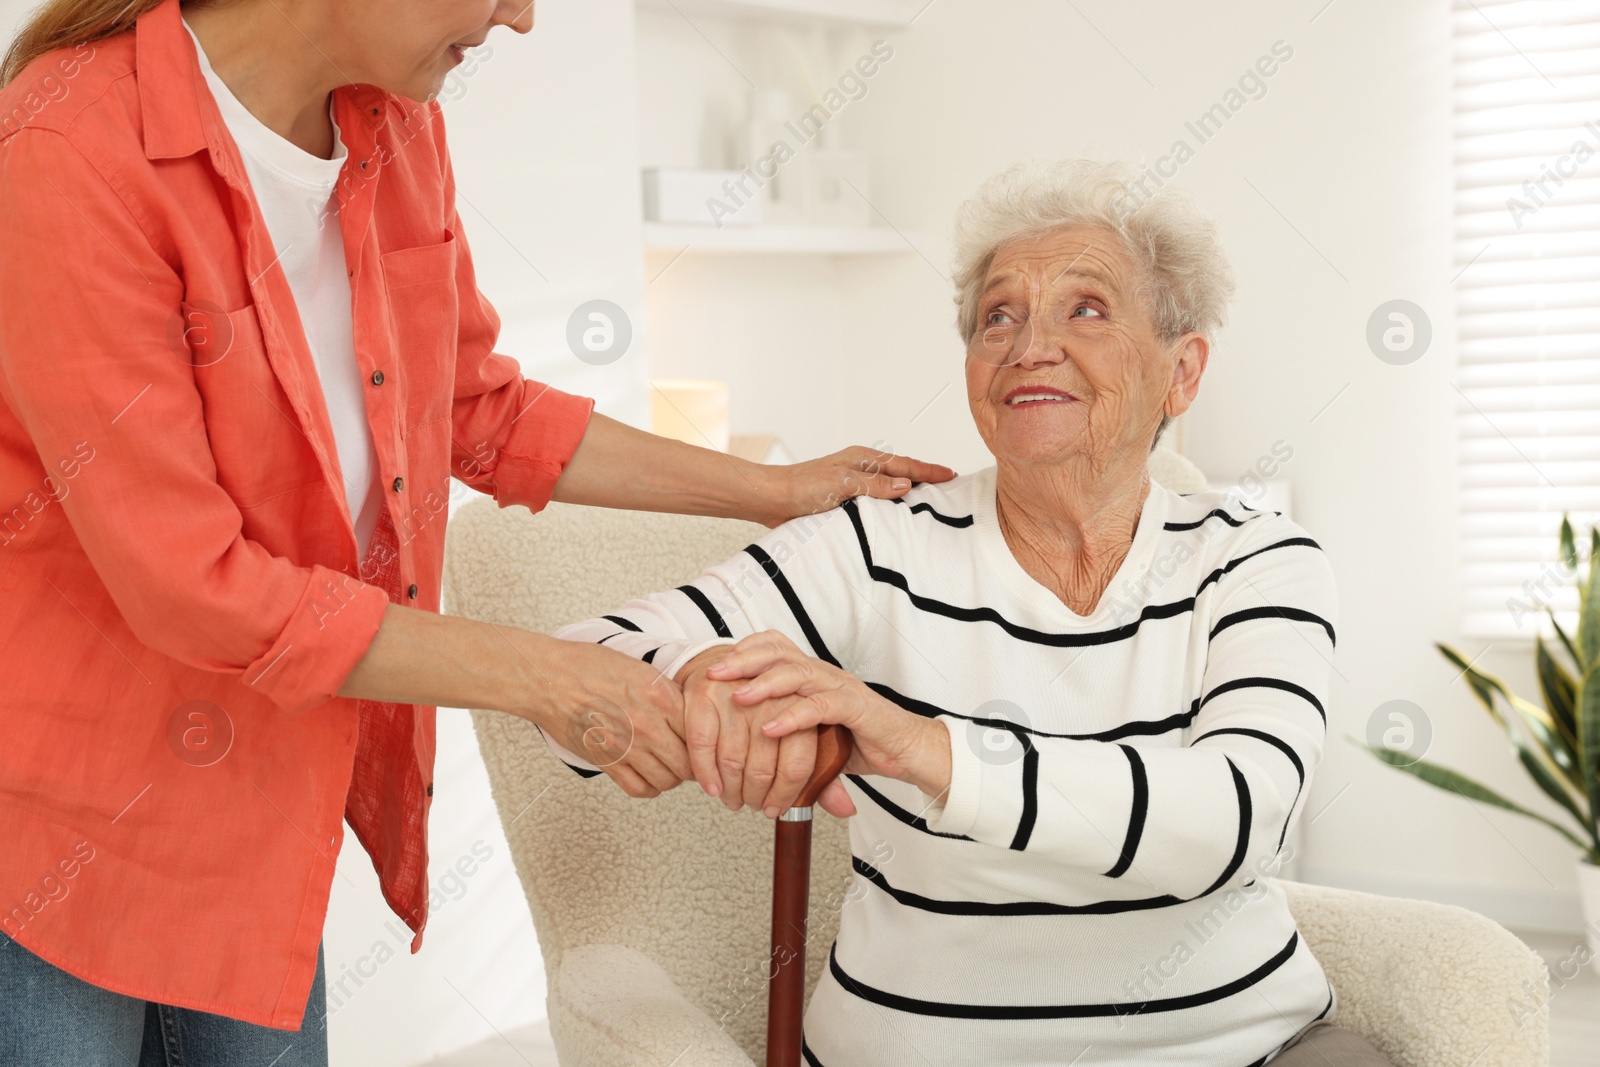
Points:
(1086, 307)
(997, 317)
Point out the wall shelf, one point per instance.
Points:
(814, 240)
(892, 13)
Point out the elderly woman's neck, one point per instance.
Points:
(1069, 527)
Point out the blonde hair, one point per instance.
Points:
(64, 23)
(1185, 281)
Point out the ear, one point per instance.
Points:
(1192, 353)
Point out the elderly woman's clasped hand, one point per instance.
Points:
(750, 718)
(629, 720)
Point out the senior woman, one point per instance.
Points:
(1086, 708)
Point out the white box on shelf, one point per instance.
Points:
(782, 173)
(699, 197)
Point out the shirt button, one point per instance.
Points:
(412, 593)
(430, 789)
(363, 164)
(377, 377)
(399, 484)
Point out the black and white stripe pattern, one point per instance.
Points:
(1091, 886)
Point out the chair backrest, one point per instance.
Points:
(679, 878)
(1176, 471)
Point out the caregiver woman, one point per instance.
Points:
(227, 432)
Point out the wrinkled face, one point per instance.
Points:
(1065, 361)
(409, 47)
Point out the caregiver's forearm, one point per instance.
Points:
(419, 657)
(619, 712)
(617, 466)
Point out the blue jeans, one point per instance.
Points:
(48, 1018)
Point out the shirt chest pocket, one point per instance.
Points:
(424, 327)
(256, 441)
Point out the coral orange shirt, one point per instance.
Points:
(180, 597)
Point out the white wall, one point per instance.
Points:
(544, 138)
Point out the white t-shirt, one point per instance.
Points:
(294, 190)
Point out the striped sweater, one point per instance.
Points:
(1094, 888)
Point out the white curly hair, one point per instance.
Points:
(1185, 279)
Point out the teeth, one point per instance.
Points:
(1023, 398)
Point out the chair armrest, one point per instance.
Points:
(1431, 985)
(612, 1006)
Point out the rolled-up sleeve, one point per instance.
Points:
(510, 436)
(87, 360)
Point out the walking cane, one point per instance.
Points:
(791, 890)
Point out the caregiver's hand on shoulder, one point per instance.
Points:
(889, 740)
(820, 484)
(618, 713)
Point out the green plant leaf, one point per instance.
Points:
(1589, 746)
(1554, 766)
(1559, 690)
(1538, 722)
(1455, 782)
(1566, 641)
(1545, 733)
(1553, 786)
(1589, 608)
(1569, 547)
(1480, 686)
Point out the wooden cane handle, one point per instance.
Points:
(834, 744)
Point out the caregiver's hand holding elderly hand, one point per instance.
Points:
(630, 721)
(751, 712)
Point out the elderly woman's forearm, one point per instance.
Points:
(930, 768)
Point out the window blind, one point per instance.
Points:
(1527, 232)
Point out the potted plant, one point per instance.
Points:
(1558, 744)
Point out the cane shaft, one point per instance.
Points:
(791, 891)
(791, 898)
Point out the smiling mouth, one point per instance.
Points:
(458, 51)
(1036, 399)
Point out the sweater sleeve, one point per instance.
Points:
(799, 580)
(1187, 820)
